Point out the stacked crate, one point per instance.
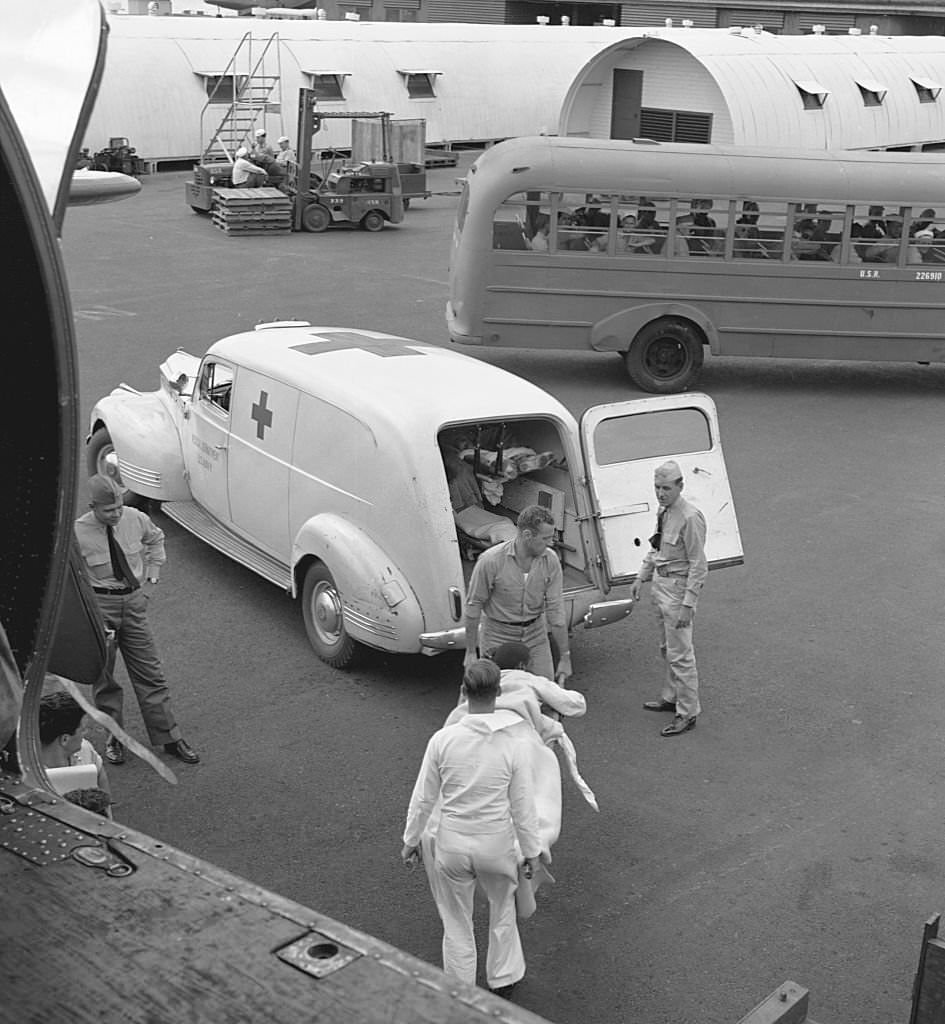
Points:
(252, 211)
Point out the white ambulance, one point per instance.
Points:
(314, 456)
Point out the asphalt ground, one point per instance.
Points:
(795, 834)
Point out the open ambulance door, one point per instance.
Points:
(623, 443)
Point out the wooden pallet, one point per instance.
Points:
(251, 211)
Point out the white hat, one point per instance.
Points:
(260, 131)
(283, 138)
(926, 233)
(242, 151)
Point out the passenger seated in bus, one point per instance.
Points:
(571, 236)
(925, 222)
(649, 232)
(592, 217)
(704, 236)
(885, 248)
(810, 245)
(683, 231)
(539, 241)
(467, 504)
(748, 243)
(874, 228)
(809, 241)
(925, 244)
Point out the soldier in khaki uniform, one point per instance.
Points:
(677, 566)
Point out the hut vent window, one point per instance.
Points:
(926, 89)
(328, 85)
(223, 88)
(813, 95)
(420, 84)
(872, 93)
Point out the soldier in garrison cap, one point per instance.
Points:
(676, 564)
(123, 553)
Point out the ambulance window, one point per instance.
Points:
(649, 435)
(216, 385)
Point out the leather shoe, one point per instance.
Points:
(114, 751)
(505, 992)
(680, 724)
(659, 705)
(182, 750)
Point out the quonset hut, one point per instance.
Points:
(745, 86)
(168, 82)
(471, 83)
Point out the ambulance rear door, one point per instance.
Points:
(623, 443)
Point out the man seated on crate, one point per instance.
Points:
(246, 174)
(466, 500)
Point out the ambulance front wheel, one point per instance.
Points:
(324, 618)
(100, 459)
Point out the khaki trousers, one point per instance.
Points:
(681, 683)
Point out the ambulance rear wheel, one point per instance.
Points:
(665, 356)
(324, 618)
(373, 220)
(315, 217)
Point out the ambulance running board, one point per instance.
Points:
(201, 524)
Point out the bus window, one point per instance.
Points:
(508, 227)
(641, 231)
(927, 239)
(877, 233)
(650, 435)
(771, 225)
(746, 234)
(584, 221)
(462, 206)
(813, 236)
(705, 227)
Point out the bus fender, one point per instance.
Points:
(380, 607)
(615, 332)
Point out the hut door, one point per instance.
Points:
(625, 108)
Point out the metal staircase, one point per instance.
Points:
(252, 79)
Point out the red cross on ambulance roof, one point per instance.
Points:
(341, 341)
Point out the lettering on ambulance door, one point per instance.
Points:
(623, 444)
(207, 446)
(263, 426)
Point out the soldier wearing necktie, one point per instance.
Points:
(676, 564)
(123, 549)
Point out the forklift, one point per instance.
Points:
(367, 193)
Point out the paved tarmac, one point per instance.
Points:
(796, 833)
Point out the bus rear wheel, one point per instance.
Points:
(665, 356)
